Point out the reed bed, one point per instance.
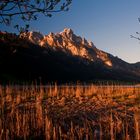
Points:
(70, 112)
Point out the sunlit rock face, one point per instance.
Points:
(34, 37)
(70, 43)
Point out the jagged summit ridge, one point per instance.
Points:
(69, 43)
(33, 36)
(67, 31)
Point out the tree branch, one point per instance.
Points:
(28, 8)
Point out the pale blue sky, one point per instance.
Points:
(108, 23)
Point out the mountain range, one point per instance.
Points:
(60, 57)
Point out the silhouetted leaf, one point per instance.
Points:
(49, 15)
(16, 26)
(27, 26)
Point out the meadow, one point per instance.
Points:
(70, 112)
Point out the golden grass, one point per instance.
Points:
(70, 112)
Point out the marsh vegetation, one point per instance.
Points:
(70, 112)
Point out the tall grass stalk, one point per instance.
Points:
(70, 112)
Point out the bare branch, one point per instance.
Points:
(29, 9)
(134, 37)
(137, 33)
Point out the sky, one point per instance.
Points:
(107, 23)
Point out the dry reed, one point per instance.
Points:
(73, 112)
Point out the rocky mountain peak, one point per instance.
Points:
(69, 43)
(33, 36)
(90, 43)
(68, 31)
(51, 34)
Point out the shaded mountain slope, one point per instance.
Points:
(24, 60)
